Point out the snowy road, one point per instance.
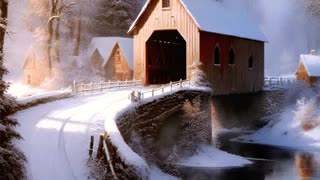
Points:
(56, 135)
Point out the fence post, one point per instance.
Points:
(152, 92)
(74, 86)
(91, 86)
(139, 96)
(270, 81)
(180, 83)
(189, 82)
(162, 88)
(91, 146)
(170, 85)
(100, 86)
(100, 147)
(82, 85)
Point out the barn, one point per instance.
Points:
(113, 56)
(170, 35)
(309, 68)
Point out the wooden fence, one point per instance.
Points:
(138, 95)
(100, 86)
(277, 81)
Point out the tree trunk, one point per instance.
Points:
(49, 42)
(76, 51)
(57, 41)
(50, 32)
(3, 20)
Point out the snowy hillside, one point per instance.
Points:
(297, 127)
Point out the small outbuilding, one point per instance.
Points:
(113, 57)
(170, 35)
(309, 68)
(35, 69)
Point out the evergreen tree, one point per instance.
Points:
(114, 17)
(11, 158)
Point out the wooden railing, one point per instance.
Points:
(277, 81)
(138, 95)
(100, 86)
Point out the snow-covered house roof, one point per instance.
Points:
(105, 46)
(311, 63)
(34, 55)
(213, 16)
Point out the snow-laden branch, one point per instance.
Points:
(54, 17)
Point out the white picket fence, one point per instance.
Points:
(139, 95)
(83, 88)
(277, 81)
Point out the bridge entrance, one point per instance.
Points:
(165, 57)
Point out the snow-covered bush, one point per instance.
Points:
(308, 113)
(198, 77)
(194, 126)
(98, 169)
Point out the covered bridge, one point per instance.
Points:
(170, 35)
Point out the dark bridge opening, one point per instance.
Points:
(166, 57)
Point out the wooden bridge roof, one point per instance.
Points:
(213, 16)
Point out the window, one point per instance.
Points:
(250, 63)
(217, 55)
(118, 57)
(165, 3)
(232, 57)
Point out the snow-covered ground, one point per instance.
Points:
(209, 156)
(26, 94)
(57, 135)
(288, 130)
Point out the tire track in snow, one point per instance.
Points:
(47, 133)
(62, 146)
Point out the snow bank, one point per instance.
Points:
(20, 90)
(289, 130)
(209, 156)
(157, 174)
(44, 96)
(26, 94)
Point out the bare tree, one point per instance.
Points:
(50, 14)
(313, 7)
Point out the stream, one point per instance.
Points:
(249, 113)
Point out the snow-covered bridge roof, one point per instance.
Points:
(213, 16)
(311, 63)
(105, 46)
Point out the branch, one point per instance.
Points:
(53, 17)
(5, 29)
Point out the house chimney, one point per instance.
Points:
(313, 52)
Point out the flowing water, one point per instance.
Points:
(251, 112)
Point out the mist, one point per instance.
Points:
(18, 41)
(289, 29)
(290, 32)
